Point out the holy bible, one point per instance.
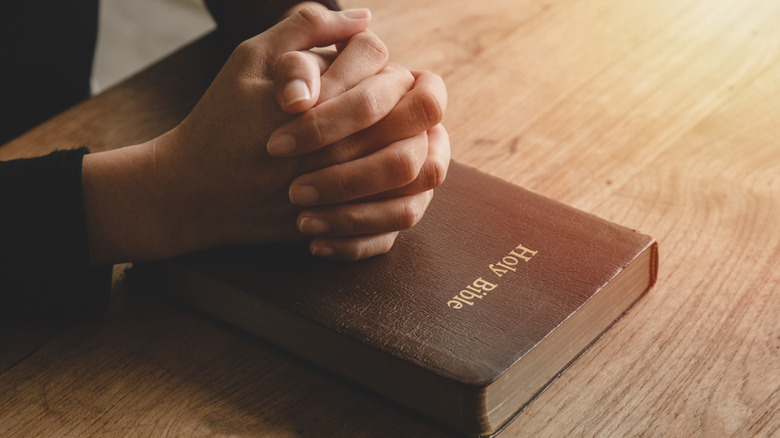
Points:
(472, 314)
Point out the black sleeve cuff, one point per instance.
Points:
(44, 253)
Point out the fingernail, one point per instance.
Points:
(303, 194)
(321, 251)
(313, 225)
(357, 14)
(282, 144)
(295, 91)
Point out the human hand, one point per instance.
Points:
(393, 165)
(244, 114)
(207, 182)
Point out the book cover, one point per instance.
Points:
(466, 320)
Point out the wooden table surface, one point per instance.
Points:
(662, 115)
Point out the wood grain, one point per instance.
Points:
(660, 115)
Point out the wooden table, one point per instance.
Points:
(662, 115)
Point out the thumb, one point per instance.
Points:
(297, 80)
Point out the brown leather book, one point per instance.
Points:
(472, 314)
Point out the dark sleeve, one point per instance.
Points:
(238, 20)
(44, 254)
(46, 52)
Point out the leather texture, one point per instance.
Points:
(397, 303)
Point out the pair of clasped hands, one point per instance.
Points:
(293, 140)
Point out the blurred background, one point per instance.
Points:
(135, 33)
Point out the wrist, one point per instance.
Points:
(124, 206)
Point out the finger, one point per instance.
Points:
(297, 80)
(363, 218)
(364, 55)
(312, 27)
(434, 169)
(394, 166)
(353, 111)
(352, 248)
(421, 108)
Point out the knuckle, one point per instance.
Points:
(368, 107)
(385, 243)
(355, 252)
(426, 108)
(433, 174)
(375, 49)
(408, 218)
(244, 52)
(317, 128)
(401, 74)
(373, 246)
(404, 167)
(291, 59)
(342, 151)
(344, 192)
(412, 211)
(352, 223)
(313, 17)
(408, 77)
(391, 68)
